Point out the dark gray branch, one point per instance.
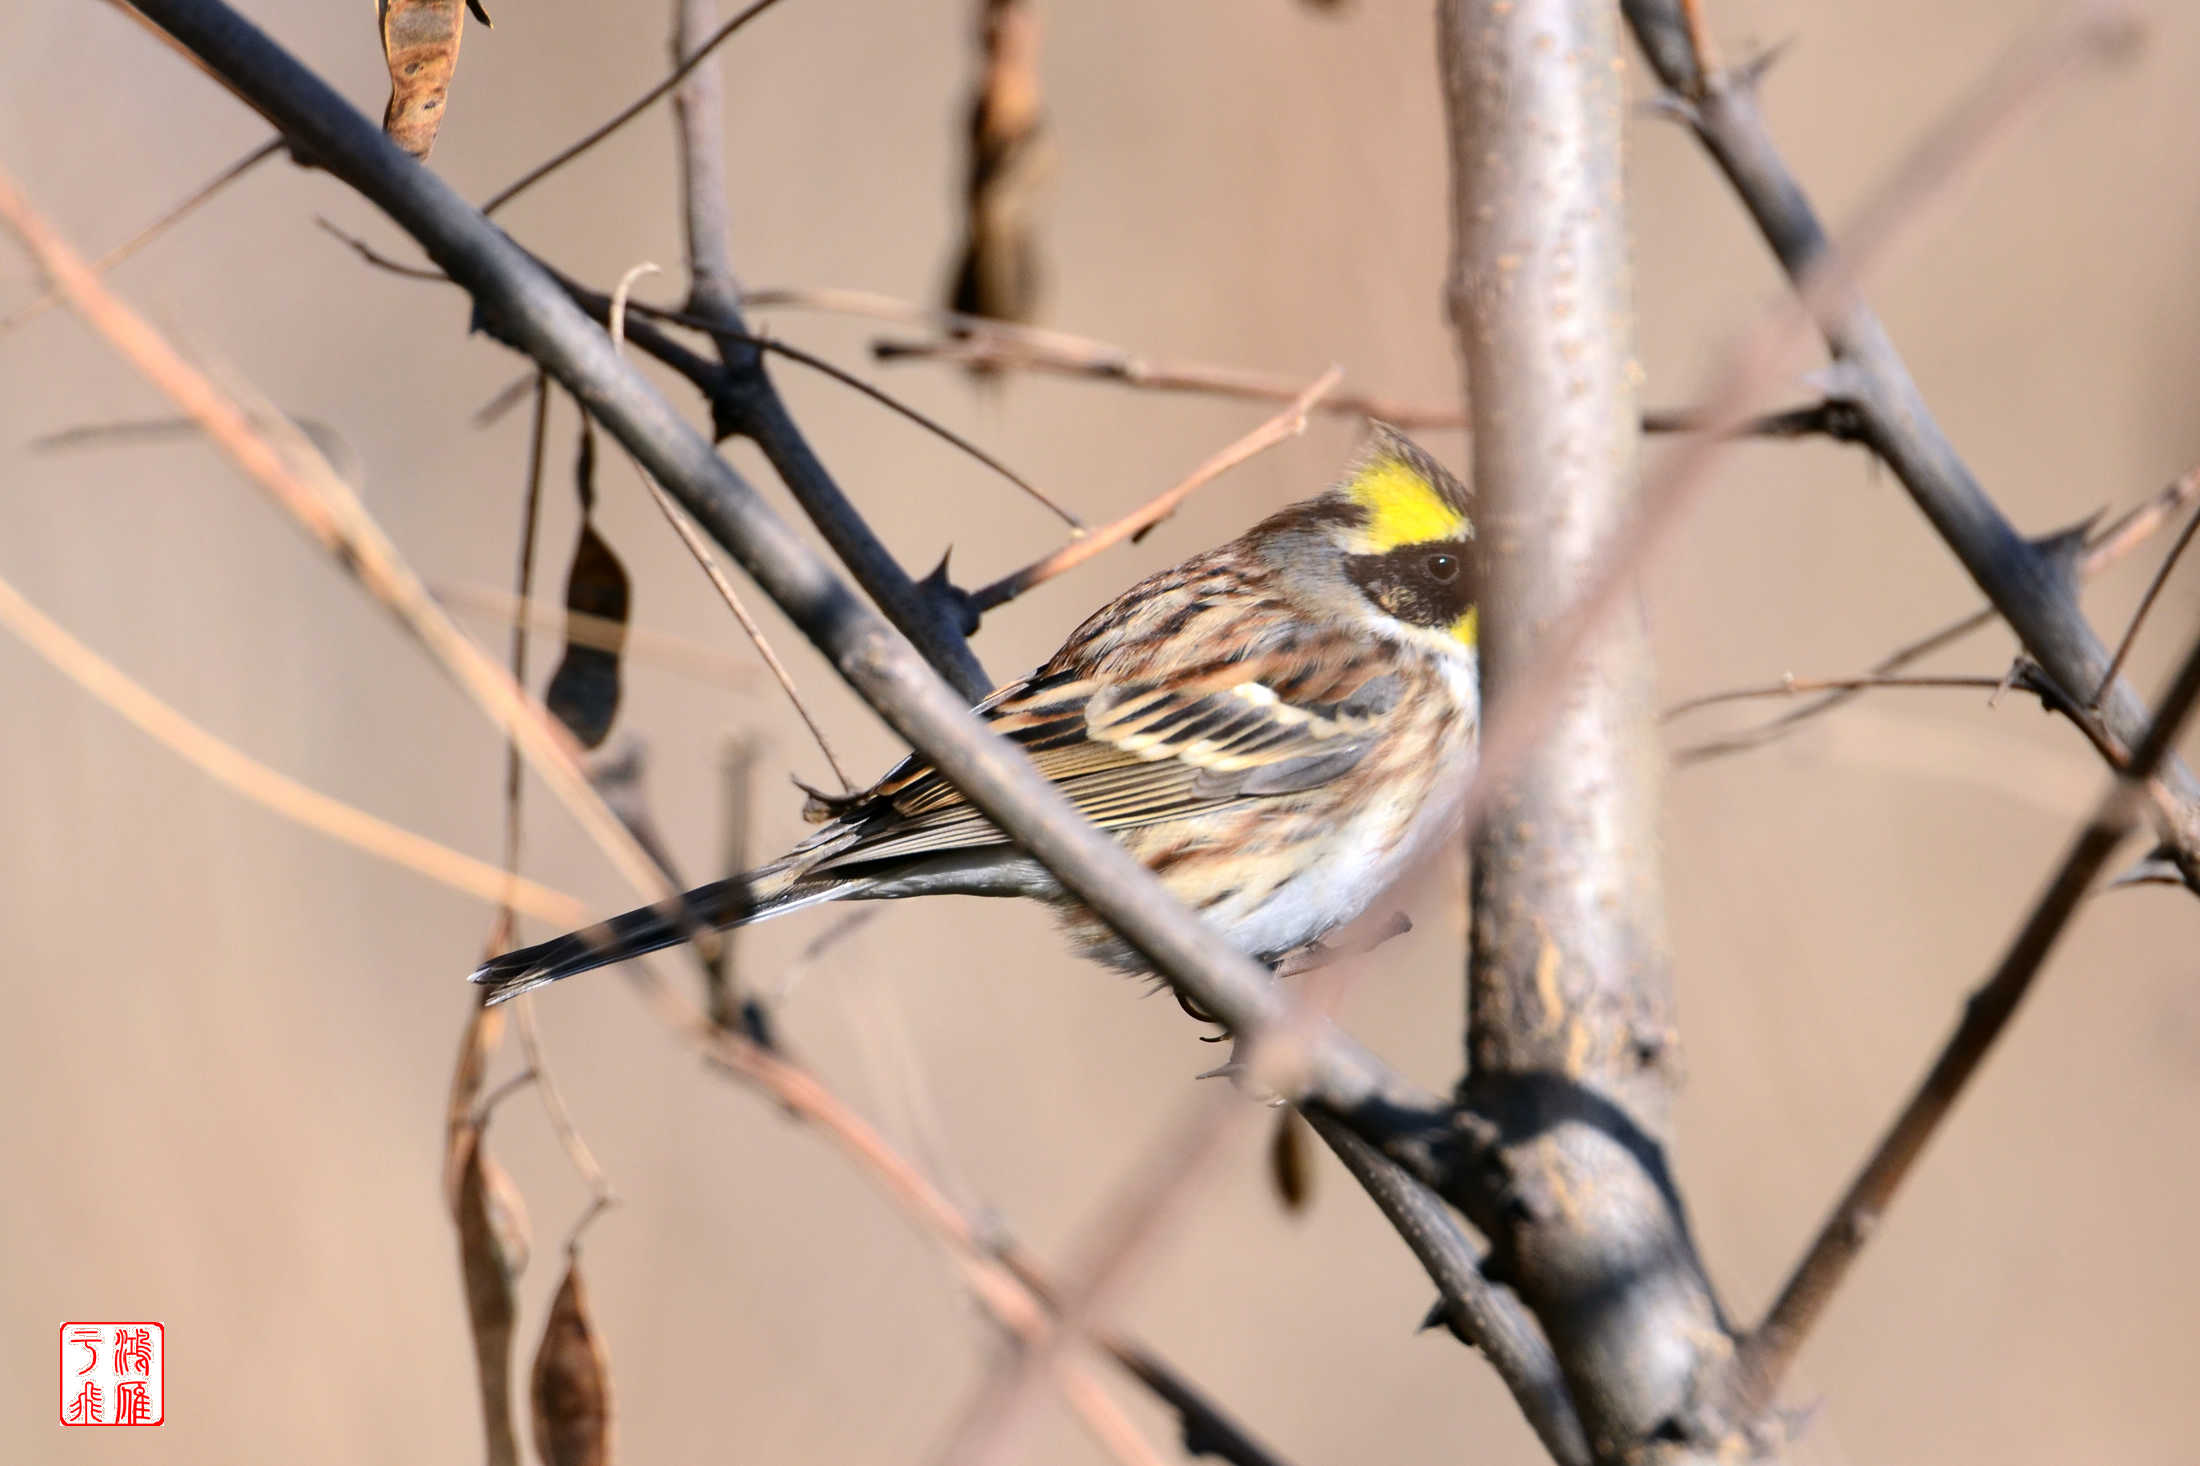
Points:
(1771, 1348)
(744, 403)
(1571, 1034)
(2029, 582)
(698, 107)
(1490, 1318)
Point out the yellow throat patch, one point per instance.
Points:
(1403, 507)
(1467, 627)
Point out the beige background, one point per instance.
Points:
(226, 1040)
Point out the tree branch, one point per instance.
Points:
(2103, 548)
(747, 405)
(1571, 1020)
(1483, 1315)
(1771, 1348)
(2029, 582)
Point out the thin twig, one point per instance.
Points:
(1288, 423)
(886, 400)
(380, 261)
(1155, 1194)
(509, 396)
(734, 401)
(1770, 1349)
(487, 1106)
(719, 329)
(2146, 604)
(1097, 361)
(626, 114)
(247, 776)
(523, 577)
(985, 343)
(2104, 548)
(577, 1151)
(698, 547)
(674, 653)
(1011, 1287)
(47, 299)
(1010, 344)
(1793, 686)
(699, 130)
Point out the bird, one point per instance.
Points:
(1278, 728)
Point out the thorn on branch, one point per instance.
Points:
(1836, 418)
(1750, 75)
(2158, 867)
(958, 606)
(2060, 550)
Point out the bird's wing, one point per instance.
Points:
(1130, 753)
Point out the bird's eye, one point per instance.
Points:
(1442, 569)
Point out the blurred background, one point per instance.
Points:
(228, 1040)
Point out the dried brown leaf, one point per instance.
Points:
(420, 43)
(1011, 155)
(572, 1383)
(584, 692)
(492, 1249)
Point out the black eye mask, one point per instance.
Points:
(1423, 585)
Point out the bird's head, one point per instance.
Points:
(1391, 540)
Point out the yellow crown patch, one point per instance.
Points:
(1404, 506)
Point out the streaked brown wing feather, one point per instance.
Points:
(1136, 752)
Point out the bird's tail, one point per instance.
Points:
(754, 897)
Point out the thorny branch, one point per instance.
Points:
(998, 345)
(1286, 424)
(1772, 1346)
(2103, 548)
(749, 406)
(709, 379)
(2028, 581)
(2030, 584)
